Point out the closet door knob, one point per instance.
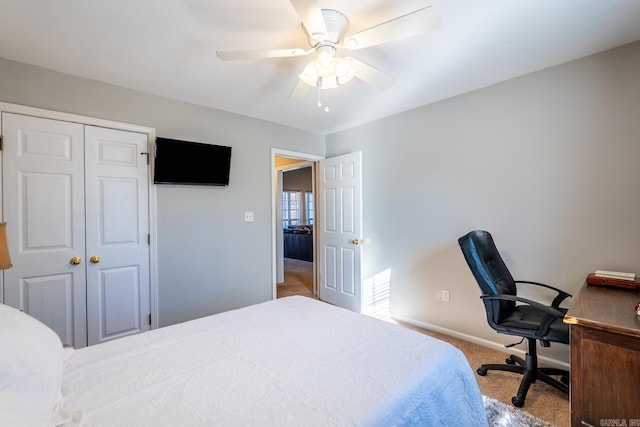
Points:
(75, 260)
(94, 259)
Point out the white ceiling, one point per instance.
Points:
(168, 48)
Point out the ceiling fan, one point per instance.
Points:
(327, 36)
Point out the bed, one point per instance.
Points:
(294, 361)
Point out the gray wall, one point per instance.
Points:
(548, 163)
(209, 259)
(297, 180)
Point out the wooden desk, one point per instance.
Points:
(605, 357)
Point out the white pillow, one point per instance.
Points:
(14, 415)
(31, 363)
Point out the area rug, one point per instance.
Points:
(501, 415)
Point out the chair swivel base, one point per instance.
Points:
(529, 369)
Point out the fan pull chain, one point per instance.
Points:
(319, 87)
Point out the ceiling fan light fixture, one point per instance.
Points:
(309, 74)
(325, 60)
(344, 70)
(341, 72)
(325, 64)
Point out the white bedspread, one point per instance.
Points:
(290, 362)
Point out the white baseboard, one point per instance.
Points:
(480, 341)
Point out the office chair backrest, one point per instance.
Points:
(490, 272)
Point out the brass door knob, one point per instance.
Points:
(356, 241)
(94, 259)
(75, 260)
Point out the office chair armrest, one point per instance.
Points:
(547, 309)
(562, 295)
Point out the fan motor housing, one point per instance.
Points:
(336, 23)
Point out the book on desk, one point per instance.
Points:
(614, 279)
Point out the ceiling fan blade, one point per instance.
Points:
(311, 16)
(262, 53)
(300, 90)
(371, 75)
(409, 25)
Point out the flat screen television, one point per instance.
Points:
(191, 163)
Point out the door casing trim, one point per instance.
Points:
(296, 155)
(92, 121)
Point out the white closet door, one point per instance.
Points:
(118, 300)
(43, 191)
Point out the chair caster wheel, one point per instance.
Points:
(516, 402)
(510, 361)
(481, 371)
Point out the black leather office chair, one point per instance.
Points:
(508, 313)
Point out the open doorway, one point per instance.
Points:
(298, 214)
(295, 215)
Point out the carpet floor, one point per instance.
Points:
(543, 401)
(298, 279)
(501, 415)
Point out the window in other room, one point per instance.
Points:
(308, 204)
(290, 208)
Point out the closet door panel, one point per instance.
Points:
(55, 229)
(119, 301)
(41, 293)
(118, 292)
(43, 202)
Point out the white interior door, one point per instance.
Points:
(43, 191)
(117, 247)
(340, 230)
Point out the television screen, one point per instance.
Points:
(191, 163)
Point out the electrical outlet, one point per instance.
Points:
(248, 217)
(445, 295)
